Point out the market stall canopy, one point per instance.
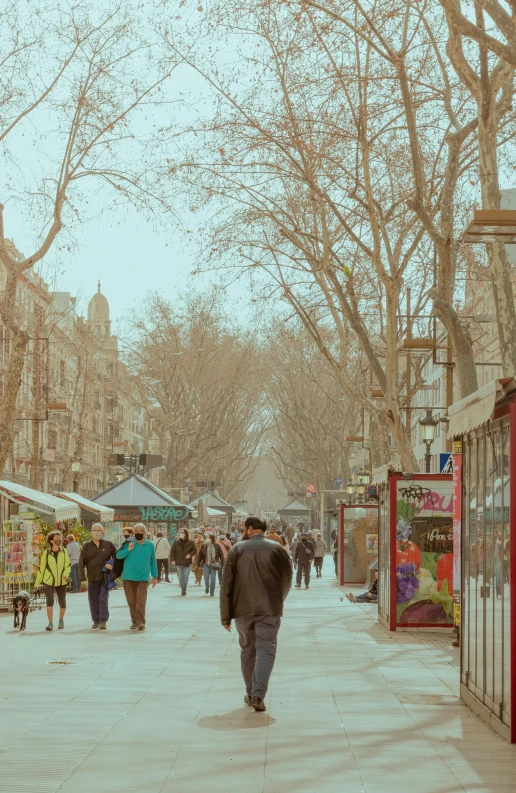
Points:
(135, 498)
(294, 508)
(57, 508)
(105, 514)
(213, 501)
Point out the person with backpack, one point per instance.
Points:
(53, 573)
(303, 557)
(162, 548)
(96, 555)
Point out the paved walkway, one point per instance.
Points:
(351, 708)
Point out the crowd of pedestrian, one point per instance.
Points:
(253, 564)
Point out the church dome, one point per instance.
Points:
(98, 309)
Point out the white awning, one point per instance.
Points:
(476, 409)
(104, 513)
(57, 508)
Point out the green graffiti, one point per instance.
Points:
(164, 514)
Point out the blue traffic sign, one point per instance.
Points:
(445, 463)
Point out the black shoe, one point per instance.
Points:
(247, 700)
(141, 626)
(306, 587)
(298, 586)
(133, 627)
(258, 704)
(102, 626)
(183, 592)
(212, 594)
(95, 626)
(207, 591)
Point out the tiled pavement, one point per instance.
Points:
(350, 709)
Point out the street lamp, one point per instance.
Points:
(76, 469)
(363, 477)
(350, 490)
(429, 424)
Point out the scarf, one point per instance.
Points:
(211, 552)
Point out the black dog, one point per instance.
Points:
(21, 605)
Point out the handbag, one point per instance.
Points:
(216, 565)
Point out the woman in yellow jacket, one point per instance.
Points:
(53, 574)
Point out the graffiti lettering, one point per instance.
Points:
(435, 502)
(164, 514)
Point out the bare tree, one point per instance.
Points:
(69, 118)
(201, 382)
(312, 417)
(308, 180)
(475, 29)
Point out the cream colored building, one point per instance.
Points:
(77, 401)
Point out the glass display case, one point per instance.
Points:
(416, 551)
(488, 650)
(358, 542)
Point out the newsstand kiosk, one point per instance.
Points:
(415, 523)
(485, 423)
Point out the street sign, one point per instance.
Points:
(445, 463)
(338, 482)
(310, 491)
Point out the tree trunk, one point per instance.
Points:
(498, 260)
(378, 442)
(392, 401)
(462, 346)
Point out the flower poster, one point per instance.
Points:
(424, 553)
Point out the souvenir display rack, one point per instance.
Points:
(21, 544)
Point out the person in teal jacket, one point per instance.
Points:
(140, 566)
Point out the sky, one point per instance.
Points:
(127, 252)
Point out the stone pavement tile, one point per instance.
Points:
(337, 716)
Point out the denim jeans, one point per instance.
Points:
(258, 644)
(98, 595)
(183, 574)
(74, 575)
(210, 578)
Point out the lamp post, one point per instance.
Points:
(76, 469)
(350, 490)
(429, 423)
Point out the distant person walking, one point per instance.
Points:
(74, 552)
(319, 552)
(304, 556)
(182, 555)
(96, 554)
(256, 580)
(53, 573)
(225, 545)
(197, 568)
(139, 566)
(273, 535)
(162, 548)
(211, 559)
(335, 552)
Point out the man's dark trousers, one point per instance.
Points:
(258, 644)
(303, 568)
(98, 595)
